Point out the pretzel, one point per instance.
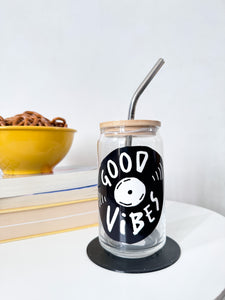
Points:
(31, 118)
(2, 121)
(59, 122)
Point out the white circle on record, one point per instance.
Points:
(129, 192)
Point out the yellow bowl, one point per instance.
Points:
(33, 149)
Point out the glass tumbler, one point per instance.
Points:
(130, 188)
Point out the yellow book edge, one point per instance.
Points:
(33, 207)
(48, 233)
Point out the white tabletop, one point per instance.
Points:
(57, 267)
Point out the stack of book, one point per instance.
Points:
(45, 204)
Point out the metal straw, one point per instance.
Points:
(139, 91)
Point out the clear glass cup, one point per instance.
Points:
(130, 188)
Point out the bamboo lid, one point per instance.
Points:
(130, 123)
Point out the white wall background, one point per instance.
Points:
(82, 60)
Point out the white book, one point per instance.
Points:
(61, 180)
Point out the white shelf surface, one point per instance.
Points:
(57, 267)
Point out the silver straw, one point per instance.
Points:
(139, 91)
(142, 87)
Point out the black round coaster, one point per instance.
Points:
(164, 258)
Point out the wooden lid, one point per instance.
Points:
(130, 123)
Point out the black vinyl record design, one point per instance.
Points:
(130, 187)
